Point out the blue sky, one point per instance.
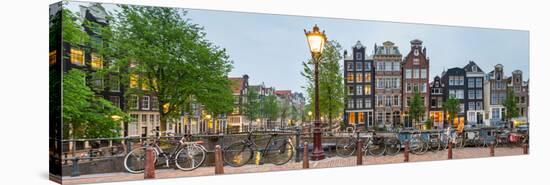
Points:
(271, 48)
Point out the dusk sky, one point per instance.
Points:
(271, 48)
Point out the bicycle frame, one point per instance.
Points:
(249, 142)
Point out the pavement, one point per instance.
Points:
(463, 153)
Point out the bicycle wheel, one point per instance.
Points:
(393, 146)
(345, 147)
(134, 161)
(416, 146)
(280, 152)
(190, 157)
(435, 145)
(237, 154)
(375, 147)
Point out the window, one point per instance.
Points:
(133, 118)
(471, 106)
(359, 66)
(97, 83)
(145, 103)
(53, 57)
(396, 66)
(408, 73)
(380, 66)
(408, 101)
(97, 61)
(367, 77)
(471, 95)
(115, 100)
(351, 90)
(388, 101)
(416, 61)
(460, 94)
(495, 113)
(359, 77)
(133, 102)
(408, 87)
(367, 66)
(471, 82)
(350, 66)
(416, 73)
(358, 56)
(479, 94)
(361, 117)
(114, 83)
(388, 66)
(433, 102)
(152, 119)
(133, 81)
(154, 103)
(359, 90)
(379, 101)
(368, 103)
(77, 56)
(144, 118)
(367, 90)
(359, 103)
(415, 87)
(350, 77)
(461, 108)
(479, 83)
(350, 104)
(423, 87)
(424, 73)
(351, 119)
(471, 116)
(396, 100)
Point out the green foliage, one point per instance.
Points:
(451, 107)
(270, 107)
(511, 106)
(72, 32)
(84, 114)
(331, 82)
(251, 108)
(171, 57)
(416, 107)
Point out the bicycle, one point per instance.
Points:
(278, 151)
(373, 145)
(187, 155)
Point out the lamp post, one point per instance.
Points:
(316, 42)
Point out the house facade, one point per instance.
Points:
(235, 120)
(495, 92)
(454, 84)
(474, 94)
(388, 91)
(520, 89)
(359, 84)
(436, 103)
(416, 78)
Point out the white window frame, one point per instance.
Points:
(146, 100)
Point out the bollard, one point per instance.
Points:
(406, 152)
(149, 171)
(305, 160)
(492, 150)
(297, 141)
(76, 171)
(450, 149)
(525, 148)
(359, 152)
(218, 160)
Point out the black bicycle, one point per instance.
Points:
(277, 150)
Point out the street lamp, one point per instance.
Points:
(316, 42)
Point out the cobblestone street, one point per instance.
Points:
(330, 162)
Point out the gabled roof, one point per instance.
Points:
(237, 84)
(387, 48)
(472, 67)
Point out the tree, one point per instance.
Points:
(451, 107)
(84, 114)
(270, 107)
(284, 111)
(416, 107)
(162, 52)
(331, 82)
(251, 108)
(511, 107)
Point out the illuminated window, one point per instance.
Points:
(359, 77)
(53, 56)
(367, 77)
(350, 77)
(351, 119)
(133, 81)
(97, 61)
(361, 117)
(367, 90)
(77, 56)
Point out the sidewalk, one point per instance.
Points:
(326, 163)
